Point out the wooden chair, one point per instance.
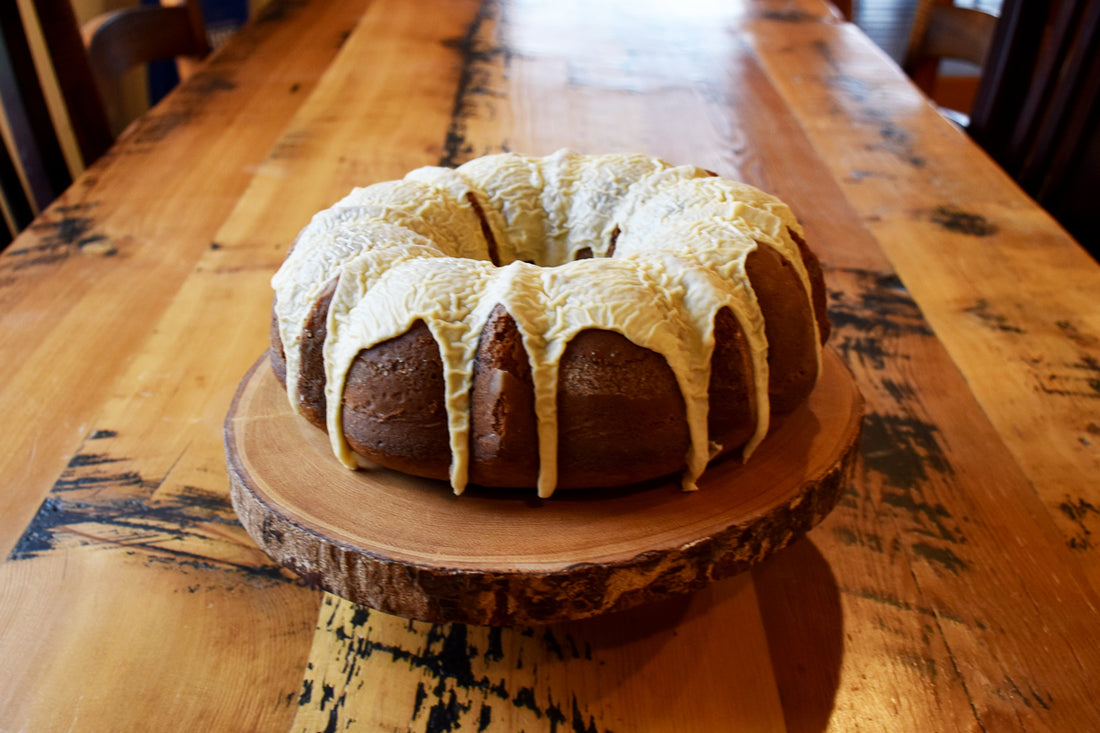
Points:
(120, 40)
(942, 32)
(844, 8)
(35, 168)
(1037, 109)
(44, 145)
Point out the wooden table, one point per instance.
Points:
(953, 588)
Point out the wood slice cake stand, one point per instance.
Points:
(410, 547)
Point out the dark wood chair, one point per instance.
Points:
(34, 165)
(120, 40)
(941, 33)
(35, 168)
(844, 8)
(1037, 111)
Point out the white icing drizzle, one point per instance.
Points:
(414, 249)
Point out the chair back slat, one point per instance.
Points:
(36, 148)
(69, 57)
(34, 168)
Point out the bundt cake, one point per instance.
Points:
(558, 322)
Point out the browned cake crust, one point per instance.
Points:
(621, 417)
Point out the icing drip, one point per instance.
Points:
(416, 249)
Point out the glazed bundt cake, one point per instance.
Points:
(559, 322)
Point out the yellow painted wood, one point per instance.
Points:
(635, 670)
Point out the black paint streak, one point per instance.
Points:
(865, 350)
(484, 718)
(179, 109)
(922, 665)
(477, 56)
(1070, 330)
(905, 452)
(90, 459)
(551, 643)
(893, 138)
(956, 220)
(555, 715)
(91, 507)
(854, 88)
(890, 601)
(307, 692)
(100, 481)
(333, 720)
(455, 657)
(1082, 380)
(898, 391)
(881, 305)
(901, 452)
(38, 537)
(207, 82)
(525, 698)
(858, 538)
(61, 231)
(579, 725)
(942, 556)
(421, 693)
(154, 128)
(213, 506)
(1078, 512)
(495, 650)
(902, 449)
(101, 434)
(981, 311)
(933, 518)
(446, 657)
(446, 716)
(877, 309)
(899, 142)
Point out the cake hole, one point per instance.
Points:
(493, 247)
(614, 239)
(486, 230)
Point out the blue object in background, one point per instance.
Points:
(222, 18)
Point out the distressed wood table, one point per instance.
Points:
(953, 588)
